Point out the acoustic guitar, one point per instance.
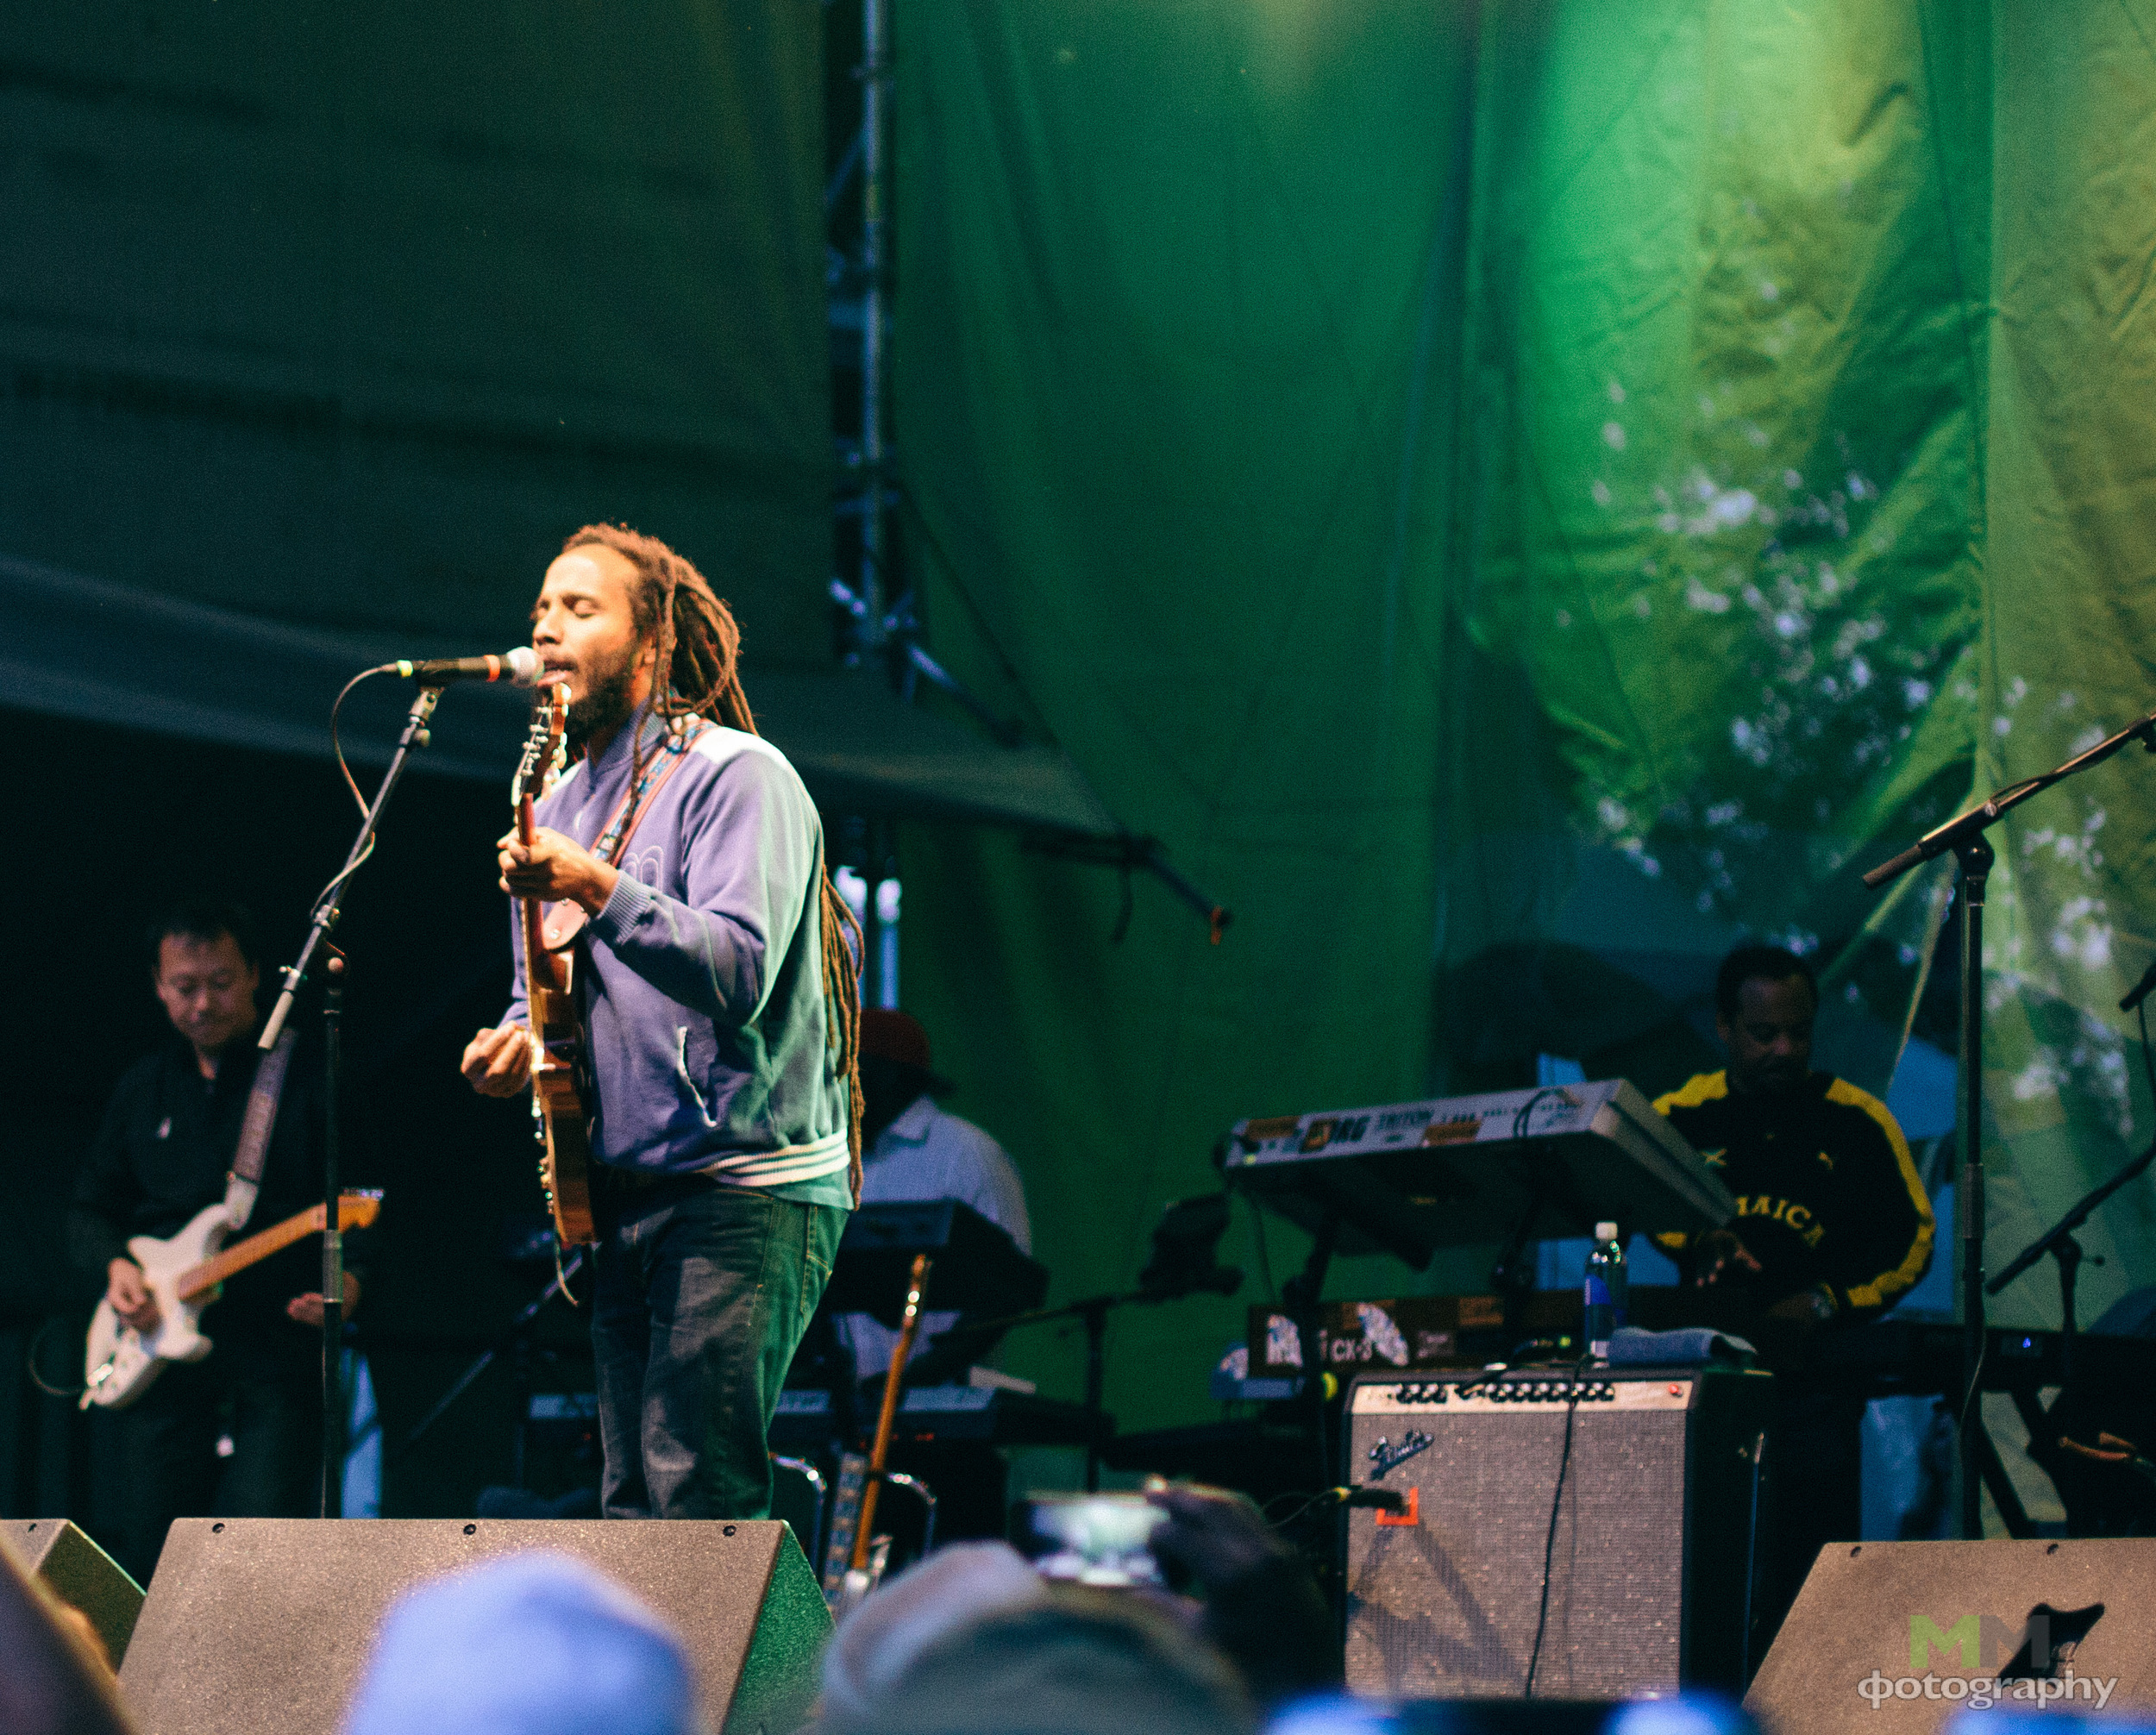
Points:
(561, 1122)
(183, 1272)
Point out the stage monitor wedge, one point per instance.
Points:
(81, 1574)
(263, 1626)
(1894, 1637)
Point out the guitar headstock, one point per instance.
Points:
(916, 1287)
(546, 745)
(358, 1208)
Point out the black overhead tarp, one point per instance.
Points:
(87, 648)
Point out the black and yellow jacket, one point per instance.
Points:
(1827, 1197)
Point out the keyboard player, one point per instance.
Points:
(1833, 1227)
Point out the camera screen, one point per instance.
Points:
(1099, 1539)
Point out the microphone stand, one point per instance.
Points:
(969, 1336)
(1963, 836)
(2059, 1241)
(332, 1246)
(325, 919)
(517, 1338)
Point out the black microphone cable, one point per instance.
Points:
(1550, 1540)
(1392, 1501)
(352, 783)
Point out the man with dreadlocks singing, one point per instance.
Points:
(718, 980)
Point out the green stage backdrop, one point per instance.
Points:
(348, 314)
(1520, 494)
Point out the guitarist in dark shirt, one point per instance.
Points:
(160, 1157)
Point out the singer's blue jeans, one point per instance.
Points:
(704, 1292)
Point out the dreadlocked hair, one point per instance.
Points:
(697, 673)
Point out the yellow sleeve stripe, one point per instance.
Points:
(1700, 1087)
(1888, 1284)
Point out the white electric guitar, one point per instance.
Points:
(183, 1274)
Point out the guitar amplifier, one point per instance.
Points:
(1658, 1500)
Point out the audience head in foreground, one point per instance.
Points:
(980, 1644)
(55, 1678)
(945, 1594)
(528, 1644)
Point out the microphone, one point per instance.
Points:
(520, 667)
(2142, 989)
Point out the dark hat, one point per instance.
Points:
(893, 1035)
(899, 1038)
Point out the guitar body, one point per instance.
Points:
(130, 1360)
(183, 1272)
(839, 1547)
(561, 1120)
(557, 1101)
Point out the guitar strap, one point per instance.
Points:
(562, 924)
(245, 1180)
(644, 806)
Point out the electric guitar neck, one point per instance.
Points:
(354, 1211)
(562, 1121)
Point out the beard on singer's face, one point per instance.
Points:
(604, 705)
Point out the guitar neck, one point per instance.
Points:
(352, 1210)
(893, 1379)
(538, 971)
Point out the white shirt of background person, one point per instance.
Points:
(926, 1154)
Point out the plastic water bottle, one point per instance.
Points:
(1605, 1294)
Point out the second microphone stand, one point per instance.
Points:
(2059, 1241)
(1963, 836)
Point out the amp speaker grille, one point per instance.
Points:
(1447, 1607)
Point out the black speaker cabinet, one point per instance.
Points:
(1652, 1563)
(80, 1574)
(262, 1627)
(1893, 1638)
